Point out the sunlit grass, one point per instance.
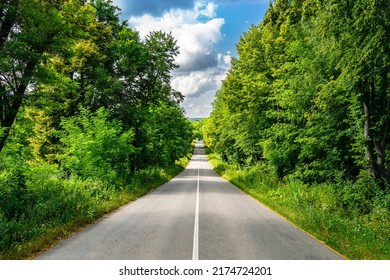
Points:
(322, 210)
(26, 238)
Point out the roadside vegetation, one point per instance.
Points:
(88, 119)
(350, 217)
(302, 120)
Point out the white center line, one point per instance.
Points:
(196, 226)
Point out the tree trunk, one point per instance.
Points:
(385, 112)
(376, 139)
(367, 130)
(17, 100)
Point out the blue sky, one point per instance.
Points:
(206, 32)
(239, 16)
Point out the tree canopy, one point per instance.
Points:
(309, 92)
(61, 57)
(88, 117)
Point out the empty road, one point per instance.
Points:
(197, 215)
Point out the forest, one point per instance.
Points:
(82, 97)
(302, 120)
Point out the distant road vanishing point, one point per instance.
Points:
(197, 215)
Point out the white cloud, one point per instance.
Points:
(200, 87)
(195, 38)
(208, 10)
(197, 83)
(197, 31)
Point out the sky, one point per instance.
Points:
(206, 33)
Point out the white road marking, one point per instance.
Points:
(196, 226)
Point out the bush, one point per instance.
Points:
(351, 217)
(39, 198)
(95, 147)
(359, 197)
(13, 193)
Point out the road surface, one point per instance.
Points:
(197, 215)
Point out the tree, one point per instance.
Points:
(29, 30)
(96, 147)
(69, 55)
(162, 50)
(309, 92)
(369, 69)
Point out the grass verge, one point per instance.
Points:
(353, 224)
(79, 203)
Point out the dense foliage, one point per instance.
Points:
(309, 94)
(86, 110)
(350, 217)
(307, 103)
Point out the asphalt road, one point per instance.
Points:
(197, 215)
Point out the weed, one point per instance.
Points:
(351, 217)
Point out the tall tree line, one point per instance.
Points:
(60, 57)
(88, 118)
(309, 94)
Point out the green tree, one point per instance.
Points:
(308, 94)
(29, 30)
(96, 147)
(166, 141)
(162, 50)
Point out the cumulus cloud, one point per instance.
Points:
(198, 83)
(195, 37)
(200, 87)
(197, 31)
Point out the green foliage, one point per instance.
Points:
(96, 148)
(308, 94)
(39, 202)
(198, 129)
(88, 118)
(168, 140)
(307, 103)
(31, 32)
(352, 218)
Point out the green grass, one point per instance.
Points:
(56, 208)
(351, 218)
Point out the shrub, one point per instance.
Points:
(96, 147)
